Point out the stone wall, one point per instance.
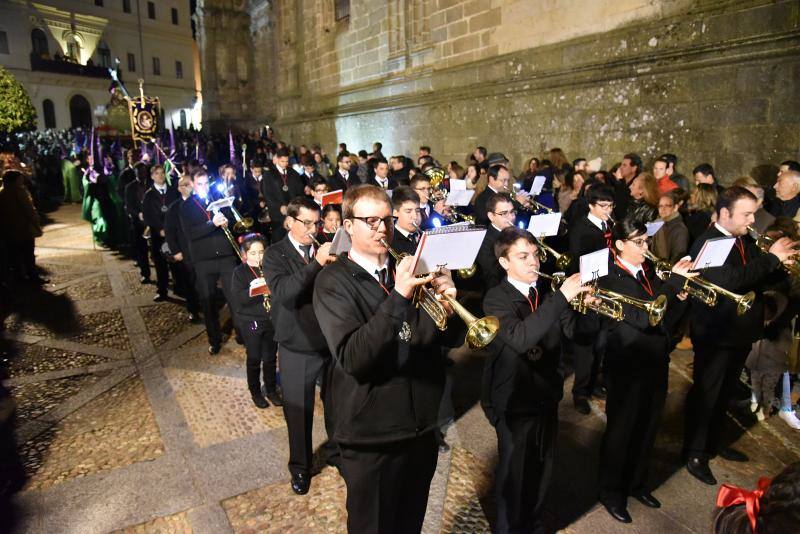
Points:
(713, 81)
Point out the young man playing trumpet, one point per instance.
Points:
(522, 379)
(722, 338)
(388, 373)
(290, 267)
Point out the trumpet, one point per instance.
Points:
(530, 203)
(763, 241)
(563, 259)
(701, 289)
(480, 332)
(267, 303)
(242, 224)
(611, 302)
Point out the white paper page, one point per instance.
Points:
(536, 186)
(458, 185)
(341, 242)
(217, 205)
(453, 247)
(594, 265)
(459, 198)
(714, 253)
(653, 227)
(545, 224)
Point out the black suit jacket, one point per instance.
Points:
(489, 269)
(336, 181)
(403, 244)
(633, 344)
(584, 237)
(134, 194)
(388, 374)
(152, 205)
(206, 241)
(480, 206)
(291, 282)
(374, 181)
(720, 326)
(246, 308)
(523, 373)
(176, 237)
(275, 196)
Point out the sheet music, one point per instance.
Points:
(459, 197)
(536, 186)
(653, 227)
(458, 185)
(594, 265)
(714, 253)
(451, 247)
(217, 205)
(545, 224)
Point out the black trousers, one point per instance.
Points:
(716, 371)
(587, 355)
(208, 273)
(525, 444)
(634, 406)
(162, 271)
(262, 351)
(388, 485)
(184, 280)
(139, 244)
(299, 372)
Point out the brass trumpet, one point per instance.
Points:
(701, 289)
(763, 241)
(242, 224)
(563, 259)
(611, 302)
(480, 332)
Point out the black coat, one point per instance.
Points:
(374, 181)
(134, 195)
(175, 236)
(336, 181)
(206, 241)
(584, 237)
(384, 388)
(291, 281)
(246, 308)
(632, 343)
(523, 373)
(154, 206)
(720, 326)
(275, 196)
(489, 269)
(480, 206)
(403, 244)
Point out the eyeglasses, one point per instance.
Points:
(506, 213)
(307, 224)
(641, 242)
(375, 222)
(428, 189)
(605, 205)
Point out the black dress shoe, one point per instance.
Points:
(259, 401)
(160, 297)
(732, 455)
(698, 468)
(647, 499)
(620, 513)
(300, 483)
(214, 349)
(582, 405)
(275, 397)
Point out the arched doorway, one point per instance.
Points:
(39, 43)
(80, 112)
(49, 114)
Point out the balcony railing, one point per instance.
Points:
(61, 66)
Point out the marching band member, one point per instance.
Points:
(331, 221)
(501, 214)
(388, 375)
(722, 338)
(636, 370)
(405, 210)
(155, 203)
(291, 267)
(522, 381)
(254, 322)
(278, 187)
(182, 270)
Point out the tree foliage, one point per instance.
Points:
(16, 110)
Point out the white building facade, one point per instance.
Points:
(61, 50)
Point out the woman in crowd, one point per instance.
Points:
(644, 191)
(573, 182)
(250, 303)
(701, 209)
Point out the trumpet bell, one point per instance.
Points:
(656, 310)
(563, 261)
(243, 226)
(481, 332)
(745, 302)
(468, 272)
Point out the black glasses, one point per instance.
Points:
(308, 224)
(641, 242)
(506, 213)
(375, 222)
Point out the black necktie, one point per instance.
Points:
(381, 276)
(306, 252)
(603, 226)
(640, 277)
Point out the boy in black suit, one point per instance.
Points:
(522, 381)
(589, 234)
(405, 210)
(280, 185)
(381, 176)
(155, 204)
(501, 215)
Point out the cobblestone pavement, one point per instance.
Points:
(126, 424)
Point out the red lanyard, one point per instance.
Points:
(740, 248)
(202, 208)
(645, 284)
(285, 179)
(385, 289)
(534, 304)
(252, 270)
